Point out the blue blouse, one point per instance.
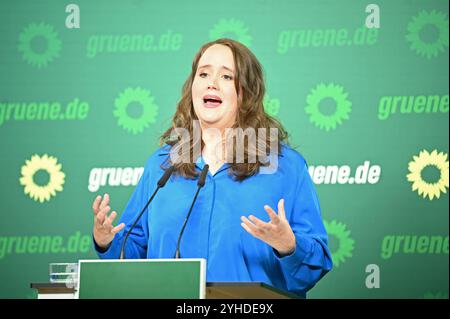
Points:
(214, 230)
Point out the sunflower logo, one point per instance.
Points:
(27, 44)
(438, 295)
(149, 109)
(271, 106)
(346, 243)
(320, 93)
(425, 159)
(48, 164)
(224, 27)
(418, 23)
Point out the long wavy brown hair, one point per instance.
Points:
(250, 88)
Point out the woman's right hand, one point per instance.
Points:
(104, 231)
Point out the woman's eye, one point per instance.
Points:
(225, 76)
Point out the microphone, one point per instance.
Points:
(200, 184)
(162, 181)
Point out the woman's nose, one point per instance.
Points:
(212, 83)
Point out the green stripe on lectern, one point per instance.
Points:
(140, 279)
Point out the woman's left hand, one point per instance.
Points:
(276, 233)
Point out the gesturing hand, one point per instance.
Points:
(276, 233)
(104, 231)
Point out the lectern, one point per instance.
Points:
(152, 279)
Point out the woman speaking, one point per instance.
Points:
(257, 217)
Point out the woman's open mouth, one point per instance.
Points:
(211, 101)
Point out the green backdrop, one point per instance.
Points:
(81, 109)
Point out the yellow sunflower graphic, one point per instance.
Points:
(48, 164)
(425, 159)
